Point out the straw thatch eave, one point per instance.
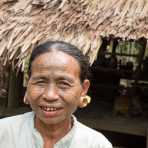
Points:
(25, 23)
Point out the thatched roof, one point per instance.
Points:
(24, 23)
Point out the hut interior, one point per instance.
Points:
(119, 90)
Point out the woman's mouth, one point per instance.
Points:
(50, 111)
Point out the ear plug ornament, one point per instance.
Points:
(85, 100)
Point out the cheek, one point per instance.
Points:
(33, 93)
(72, 98)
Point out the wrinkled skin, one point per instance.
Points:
(55, 84)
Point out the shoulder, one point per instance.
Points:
(14, 128)
(91, 136)
(12, 120)
(14, 123)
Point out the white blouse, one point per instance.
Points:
(19, 132)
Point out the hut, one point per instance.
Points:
(84, 23)
(25, 23)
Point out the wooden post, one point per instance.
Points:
(136, 108)
(147, 138)
(143, 43)
(13, 93)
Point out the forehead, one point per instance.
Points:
(55, 61)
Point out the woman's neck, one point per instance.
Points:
(53, 132)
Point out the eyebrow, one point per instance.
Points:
(61, 77)
(39, 77)
(66, 78)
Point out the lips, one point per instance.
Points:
(51, 111)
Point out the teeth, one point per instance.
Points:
(49, 108)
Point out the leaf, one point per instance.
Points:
(23, 35)
(94, 50)
(2, 46)
(27, 43)
(20, 5)
(13, 35)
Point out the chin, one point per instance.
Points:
(54, 120)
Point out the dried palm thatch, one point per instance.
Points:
(25, 23)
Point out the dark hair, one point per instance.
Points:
(65, 47)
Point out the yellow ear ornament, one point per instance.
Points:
(85, 100)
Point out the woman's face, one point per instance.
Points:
(54, 88)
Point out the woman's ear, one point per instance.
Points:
(84, 99)
(25, 100)
(85, 87)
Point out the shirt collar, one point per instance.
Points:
(67, 139)
(64, 142)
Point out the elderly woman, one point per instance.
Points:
(57, 85)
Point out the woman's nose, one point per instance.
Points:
(50, 93)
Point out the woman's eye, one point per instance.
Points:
(40, 83)
(64, 85)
